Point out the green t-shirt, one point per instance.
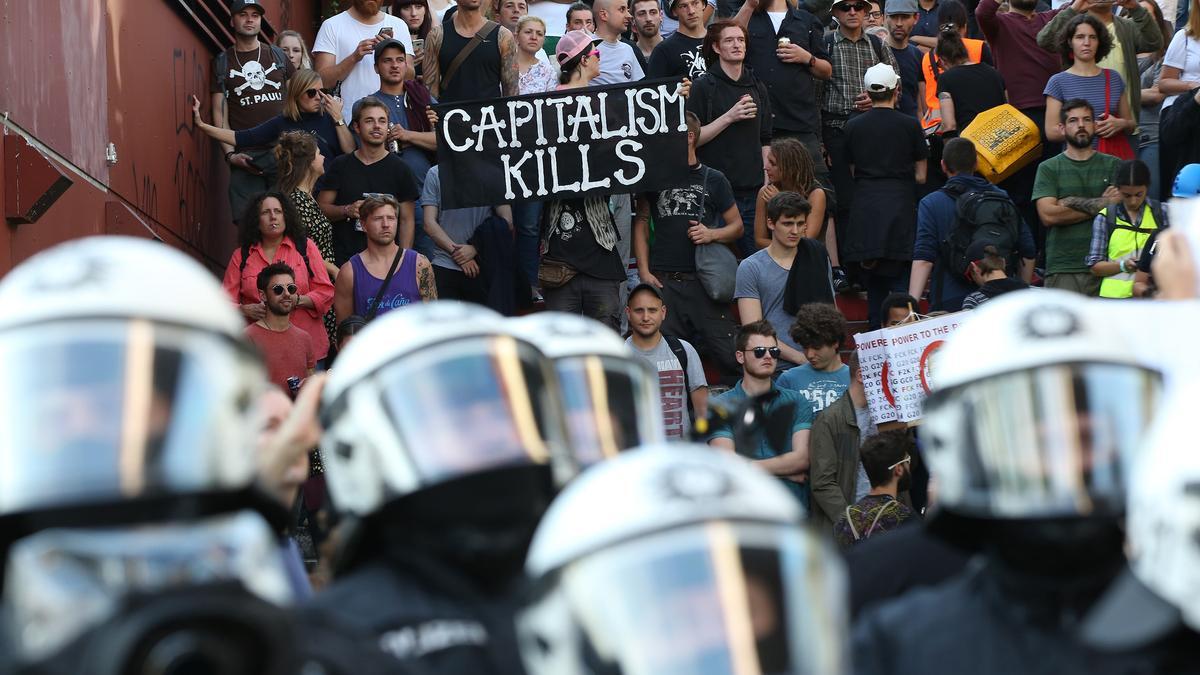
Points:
(1059, 177)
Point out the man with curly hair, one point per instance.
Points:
(819, 330)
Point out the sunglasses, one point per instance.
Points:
(854, 7)
(312, 93)
(278, 289)
(907, 458)
(761, 352)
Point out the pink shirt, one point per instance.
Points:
(243, 286)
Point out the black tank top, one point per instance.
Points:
(479, 75)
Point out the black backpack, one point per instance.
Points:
(980, 215)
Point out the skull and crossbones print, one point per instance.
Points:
(254, 76)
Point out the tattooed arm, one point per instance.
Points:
(425, 283)
(509, 72)
(431, 72)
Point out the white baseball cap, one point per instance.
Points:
(881, 77)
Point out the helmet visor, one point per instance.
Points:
(469, 406)
(601, 403)
(1056, 441)
(714, 599)
(59, 583)
(121, 409)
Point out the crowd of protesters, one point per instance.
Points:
(442, 525)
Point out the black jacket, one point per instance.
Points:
(736, 151)
(792, 85)
(425, 615)
(987, 621)
(1179, 137)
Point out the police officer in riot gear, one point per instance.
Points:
(441, 424)
(1153, 607)
(1041, 403)
(610, 397)
(132, 536)
(677, 559)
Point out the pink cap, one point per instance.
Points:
(573, 44)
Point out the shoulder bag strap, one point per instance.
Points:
(480, 35)
(387, 280)
(1107, 88)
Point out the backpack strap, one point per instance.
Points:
(281, 59)
(221, 69)
(387, 281)
(480, 35)
(680, 353)
(877, 45)
(879, 514)
(850, 522)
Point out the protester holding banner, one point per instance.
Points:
(684, 218)
(581, 271)
(537, 76)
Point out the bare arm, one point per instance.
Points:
(789, 463)
(1054, 212)
(923, 41)
(220, 118)
(332, 71)
(343, 293)
(435, 231)
(733, 226)
(345, 138)
(407, 225)
(921, 171)
(762, 234)
(1027, 269)
(510, 73)
(425, 283)
(1169, 83)
(1054, 132)
(641, 243)
(225, 136)
(699, 398)
(918, 277)
(431, 71)
(816, 215)
(334, 212)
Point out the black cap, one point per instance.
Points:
(236, 6)
(644, 287)
(390, 42)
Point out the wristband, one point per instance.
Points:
(229, 154)
(812, 59)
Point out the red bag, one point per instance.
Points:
(1117, 145)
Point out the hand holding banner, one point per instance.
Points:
(896, 369)
(615, 139)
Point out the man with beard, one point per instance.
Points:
(360, 283)
(286, 349)
(647, 23)
(1069, 191)
(1029, 448)
(680, 55)
(681, 380)
(489, 65)
(344, 50)
(901, 17)
(239, 104)
(370, 169)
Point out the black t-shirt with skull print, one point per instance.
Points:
(674, 209)
(254, 85)
(573, 241)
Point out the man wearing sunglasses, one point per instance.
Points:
(758, 353)
(887, 459)
(286, 349)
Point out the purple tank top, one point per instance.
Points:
(401, 291)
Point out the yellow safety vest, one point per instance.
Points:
(1124, 239)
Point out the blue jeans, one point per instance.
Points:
(527, 219)
(1149, 155)
(745, 207)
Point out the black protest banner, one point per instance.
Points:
(613, 139)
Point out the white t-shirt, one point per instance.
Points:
(340, 35)
(777, 19)
(1183, 53)
(618, 64)
(553, 14)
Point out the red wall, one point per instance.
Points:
(86, 74)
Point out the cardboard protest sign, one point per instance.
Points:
(616, 139)
(895, 364)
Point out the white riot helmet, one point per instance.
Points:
(126, 379)
(1043, 398)
(1163, 525)
(676, 559)
(429, 395)
(610, 397)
